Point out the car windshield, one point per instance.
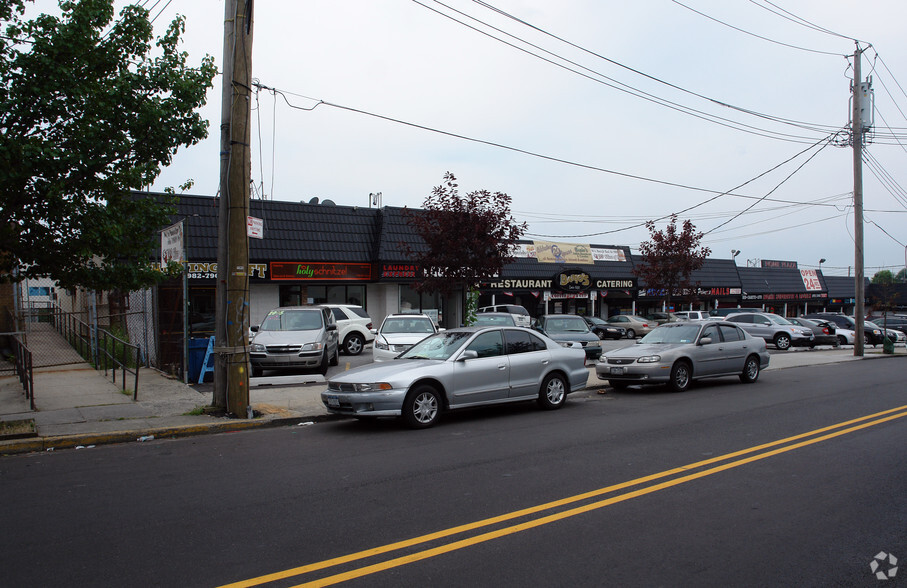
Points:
(292, 320)
(598, 321)
(440, 346)
(673, 333)
(407, 325)
(778, 320)
(566, 324)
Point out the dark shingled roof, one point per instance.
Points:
(763, 280)
(714, 273)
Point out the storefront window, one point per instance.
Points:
(428, 303)
(336, 295)
(201, 312)
(290, 295)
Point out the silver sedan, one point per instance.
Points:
(678, 353)
(459, 368)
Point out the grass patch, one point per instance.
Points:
(197, 411)
(17, 429)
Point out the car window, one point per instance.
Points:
(359, 311)
(672, 333)
(492, 321)
(778, 320)
(488, 344)
(292, 320)
(618, 319)
(440, 346)
(762, 320)
(519, 341)
(740, 318)
(712, 332)
(730, 333)
(339, 314)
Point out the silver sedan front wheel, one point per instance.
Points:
(422, 407)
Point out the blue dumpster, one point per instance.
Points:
(197, 350)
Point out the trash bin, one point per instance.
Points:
(197, 350)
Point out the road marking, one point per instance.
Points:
(810, 437)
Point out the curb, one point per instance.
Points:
(34, 444)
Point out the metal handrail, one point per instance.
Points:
(102, 353)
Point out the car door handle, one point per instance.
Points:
(502, 367)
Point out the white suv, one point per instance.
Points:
(520, 314)
(693, 315)
(354, 327)
(399, 332)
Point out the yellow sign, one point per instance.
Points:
(548, 252)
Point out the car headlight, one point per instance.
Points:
(649, 359)
(257, 347)
(594, 344)
(381, 344)
(373, 387)
(876, 332)
(312, 347)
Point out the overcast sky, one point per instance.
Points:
(589, 149)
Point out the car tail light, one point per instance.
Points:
(368, 326)
(825, 330)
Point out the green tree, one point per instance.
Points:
(465, 240)
(883, 277)
(87, 114)
(901, 276)
(670, 257)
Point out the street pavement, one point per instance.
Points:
(79, 407)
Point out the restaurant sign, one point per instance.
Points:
(572, 280)
(320, 271)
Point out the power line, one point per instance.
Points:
(620, 86)
(800, 124)
(798, 20)
(744, 31)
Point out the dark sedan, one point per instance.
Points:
(823, 331)
(570, 330)
(603, 329)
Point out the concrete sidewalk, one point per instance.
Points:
(79, 406)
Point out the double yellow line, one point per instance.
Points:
(733, 460)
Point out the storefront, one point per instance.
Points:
(715, 285)
(565, 278)
(782, 288)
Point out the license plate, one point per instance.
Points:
(617, 371)
(333, 401)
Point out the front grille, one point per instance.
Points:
(620, 361)
(283, 349)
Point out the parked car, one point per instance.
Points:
(823, 331)
(570, 328)
(604, 330)
(399, 332)
(634, 325)
(693, 315)
(494, 319)
(845, 336)
(679, 353)
(458, 368)
(660, 318)
(894, 335)
(775, 329)
(295, 337)
(723, 312)
(871, 335)
(896, 322)
(520, 315)
(354, 327)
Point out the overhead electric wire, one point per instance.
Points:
(620, 86)
(800, 21)
(800, 124)
(810, 158)
(744, 31)
(887, 181)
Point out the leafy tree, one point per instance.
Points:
(883, 277)
(465, 239)
(901, 276)
(670, 257)
(86, 115)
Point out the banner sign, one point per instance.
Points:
(172, 244)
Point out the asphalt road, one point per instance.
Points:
(775, 483)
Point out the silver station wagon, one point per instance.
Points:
(678, 353)
(459, 368)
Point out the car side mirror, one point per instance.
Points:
(254, 328)
(468, 354)
(373, 331)
(705, 341)
(331, 327)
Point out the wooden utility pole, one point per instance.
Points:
(231, 376)
(859, 313)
